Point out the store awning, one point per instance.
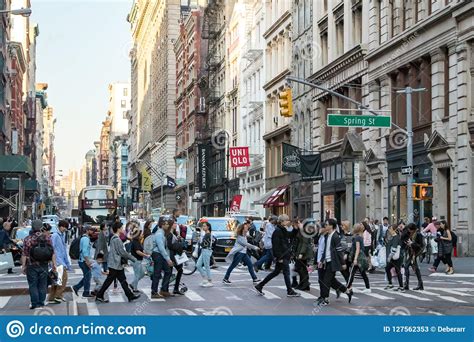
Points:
(264, 198)
(15, 166)
(30, 185)
(275, 200)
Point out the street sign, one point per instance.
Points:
(337, 120)
(407, 170)
(356, 179)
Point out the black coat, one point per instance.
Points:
(281, 242)
(337, 252)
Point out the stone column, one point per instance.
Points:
(437, 89)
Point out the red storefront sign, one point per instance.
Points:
(235, 204)
(239, 156)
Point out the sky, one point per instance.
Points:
(82, 47)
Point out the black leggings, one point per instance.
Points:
(445, 258)
(388, 271)
(362, 273)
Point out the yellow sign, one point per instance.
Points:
(146, 180)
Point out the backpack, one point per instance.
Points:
(149, 244)
(454, 239)
(75, 248)
(42, 251)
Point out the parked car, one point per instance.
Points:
(224, 231)
(241, 217)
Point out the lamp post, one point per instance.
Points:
(25, 12)
(179, 150)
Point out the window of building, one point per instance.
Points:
(324, 48)
(357, 25)
(123, 103)
(340, 37)
(125, 91)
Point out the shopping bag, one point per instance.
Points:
(60, 271)
(374, 260)
(181, 259)
(382, 258)
(6, 261)
(434, 246)
(292, 269)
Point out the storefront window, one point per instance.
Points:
(329, 207)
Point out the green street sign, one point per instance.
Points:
(337, 120)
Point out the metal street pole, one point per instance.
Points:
(408, 91)
(187, 182)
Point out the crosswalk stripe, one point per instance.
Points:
(147, 292)
(92, 309)
(448, 298)
(406, 295)
(4, 301)
(270, 295)
(191, 295)
(378, 296)
(456, 292)
(304, 294)
(455, 275)
(116, 297)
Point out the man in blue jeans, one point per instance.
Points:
(38, 245)
(162, 261)
(85, 262)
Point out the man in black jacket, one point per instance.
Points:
(412, 242)
(281, 249)
(333, 261)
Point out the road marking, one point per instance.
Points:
(4, 301)
(406, 295)
(448, 298)
(191, 295)
(304, 294)
(378, 296)
(456, 292)
(435, 313)
(92, 309)
(269, 295)
(77, 271)
(147, 292)
(455, 275)
(116, 298)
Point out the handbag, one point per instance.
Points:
(196, 251)
(292, 269)
(396, 253)
(181, 258)
(6, 261)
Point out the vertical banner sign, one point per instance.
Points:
(180, 171)
(235, 204)
(203, 160)
(311, 167)
(146, 180)
(134, 195)
(239, 156)
(356, 179)
(291, 159)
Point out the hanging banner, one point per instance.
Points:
(135, 192)
(202, 174)
(180, 171)
(146, 181)
(311, 167)
(170, 182)
(239, 156)
(235, 204)
(356, 179)
(291, 159)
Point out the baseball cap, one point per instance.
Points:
(36, 225)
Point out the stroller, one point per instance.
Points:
(148, 265)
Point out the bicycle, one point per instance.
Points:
(428, 251)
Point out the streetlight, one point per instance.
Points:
(179, 150)
(25, 12)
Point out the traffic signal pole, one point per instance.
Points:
(409, 131)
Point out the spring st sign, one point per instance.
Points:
(337, 120)
(239, 156)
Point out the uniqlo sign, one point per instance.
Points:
(239, 156)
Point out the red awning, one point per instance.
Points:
(275, 200)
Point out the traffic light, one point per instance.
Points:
(426, 192)
(286, 103)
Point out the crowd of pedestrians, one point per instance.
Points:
(281, 246)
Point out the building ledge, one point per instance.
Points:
(276, 132)
(15, 165)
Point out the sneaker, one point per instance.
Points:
(32, 307)
(418, 288)
(226, 281)
(165, 294)
(388, 287)
(256, 281)
(451, 271)
(203, 283)
(177, 292)
(102, 300)
(366, 291)
(62, 299)
(322, 302)
(432, 269)
(400, 289)
(259, 290)
(55, 301)
(134, 297)
(156, 296)
(293, 294)
(208, 284)
(87, 295)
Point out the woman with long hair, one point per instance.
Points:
(367, 242)
(358, 258)
(394, 259)
(239, 254)
(175, 246)
(204, 260)
(139, 254)
(445, 247)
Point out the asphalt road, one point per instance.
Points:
(443, 295)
